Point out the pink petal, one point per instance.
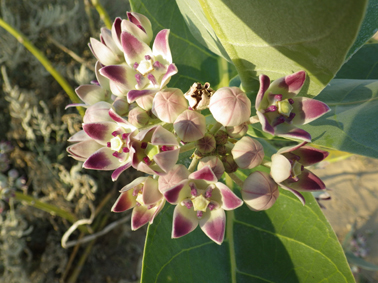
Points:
(75, 105)
(161, 48)
(307, 110)
(293, 83)
(280, 169)
(310, 155)
(157, 208)
(133, 184)
(213, 224)
(116, 32)
(205, 173)
(91, 94)
(119, 171)
(162, 136)
(177, 193)
(103, 53)
(121, 78)
(167, 159)
(106, 35)
(135, 30)
(133, 95)
(125, 201)
(297, 194)
(134, 49)
(288, 131)
(102, 159)
(171, 70)
(141, 216)
(97, 112)
(184, 221)
(83, 149)
(101, 131)
(177, 174)
(120, 120)
(229, 200)
(266, 127)
(104, 82)
(264, 84)
(307, 182)
(79, 136)
(151, 193)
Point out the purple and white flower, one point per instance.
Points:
(279, 110)
(288, 171)
(143, 196)
(201, 200)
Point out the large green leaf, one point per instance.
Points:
(194, 62)
(368, 28)
(351, 124)
(287, 243)
(277, 38)
(203, 32)
(363, 64)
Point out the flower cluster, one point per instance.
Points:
(133, 120)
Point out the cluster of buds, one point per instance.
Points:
(133, 120)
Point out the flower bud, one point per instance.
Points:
(121, 106)
(229, 163)
(145, 102)
(237, 131)
(221, 137)
(206, 144)
(215, 164)
(248, 153)
(259, 191)
(168, 104)
(190, 126)
(138, 117)
(230, 106)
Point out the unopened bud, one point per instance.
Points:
(206, 144)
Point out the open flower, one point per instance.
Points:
(200, 199)
(288, 170)
(109, 49)
(104, 144)
(156, 150)
(146, 71)
(143, 196)
(278, 110)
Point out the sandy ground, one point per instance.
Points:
(354, 190)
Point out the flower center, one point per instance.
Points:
(145, 66)
(284, 107)
(118, 143)
(200, 203)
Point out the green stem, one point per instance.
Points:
(44, 61)
(193, 164)
(52, 209)
(215, 128)
(236, 179)
(103, 14)
(187, 147)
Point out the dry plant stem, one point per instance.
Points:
(103, 14)
(71, 53)
(236, 179)
(44, 61)
(75, 274)
(90, 19)
(71, 259)
(48, 208)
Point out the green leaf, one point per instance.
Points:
(362, 65)
(203, 32)
(194, 62)
(368, 28)
(351, 124)
(287, 243)
(281, 37)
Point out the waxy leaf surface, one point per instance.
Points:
(282, 37)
